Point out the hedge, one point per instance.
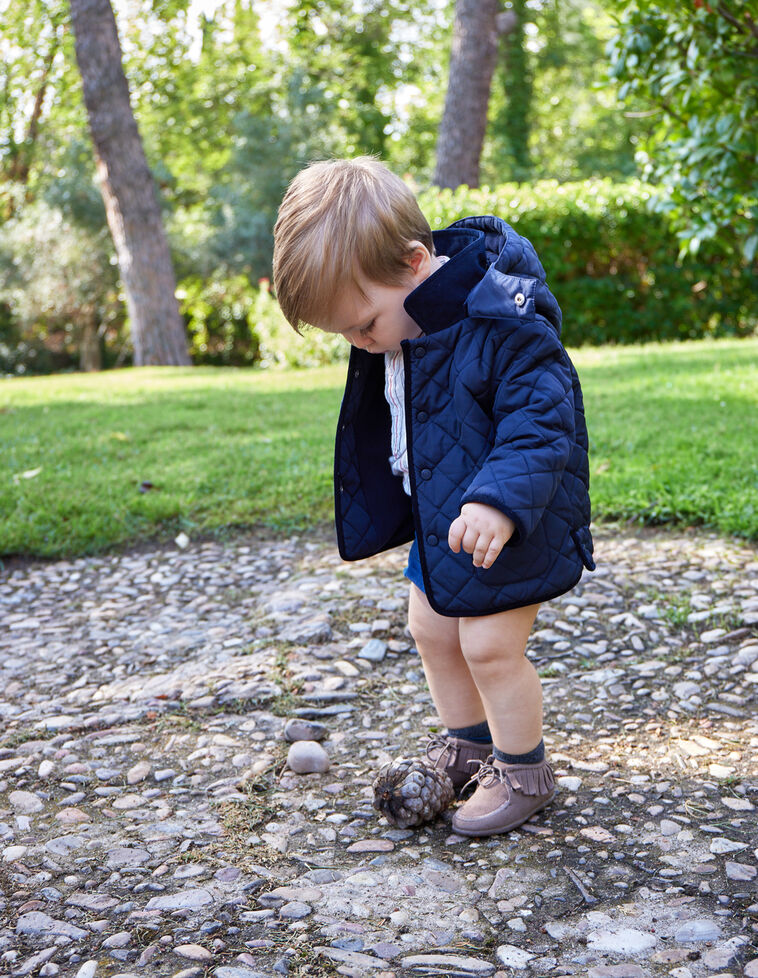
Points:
(611, 263)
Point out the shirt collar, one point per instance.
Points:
(440, 300)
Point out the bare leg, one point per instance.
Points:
(451, 684)
(510, 689)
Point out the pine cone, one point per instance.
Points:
(409, 791)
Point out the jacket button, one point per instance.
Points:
(426, 473)
(422, 416)
(432, 540)
(356, 372)
(419, 351)
(519, 299)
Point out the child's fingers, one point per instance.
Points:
(470, 539)
(493, 552)
(482, 548)
(455, 534)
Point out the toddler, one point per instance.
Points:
(461, 429)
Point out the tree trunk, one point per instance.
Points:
(131, 204)
(464, 120)
(89, 347)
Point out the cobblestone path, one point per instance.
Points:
(149, 824)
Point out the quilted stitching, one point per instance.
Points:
(502, 423)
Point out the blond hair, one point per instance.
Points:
(341, 219)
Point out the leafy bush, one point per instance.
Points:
(59, 290)
(233, 323)
(612, 264)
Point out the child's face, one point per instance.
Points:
(378, 323)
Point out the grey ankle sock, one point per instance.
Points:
(533, 757)
(479, 733)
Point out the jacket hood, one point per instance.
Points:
(489, 264)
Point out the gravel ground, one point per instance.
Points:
(150, 824)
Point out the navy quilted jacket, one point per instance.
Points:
(493, 415)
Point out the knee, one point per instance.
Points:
(423, 633)
(486, 648)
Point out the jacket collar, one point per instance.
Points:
(440, 300)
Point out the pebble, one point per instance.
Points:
(694, 931)
(513, 957)
(374, 651)
(194, 952)
(146, 806)
(723, 845)
(625, 940)
(739, 871)
(298, 729)
(308, 757)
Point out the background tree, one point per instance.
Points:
(695, 66)
(128, 190)
(464, 120)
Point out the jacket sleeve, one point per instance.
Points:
(533, 415)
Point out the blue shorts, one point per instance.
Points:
(413, 570)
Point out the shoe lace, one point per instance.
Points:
(439, 741)
(487, 774)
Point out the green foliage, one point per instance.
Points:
(611, 264)
(226, 448)
(553, 110)
(232, 323)
(694, 66)
(57, 277)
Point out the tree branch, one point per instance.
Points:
(749, 28)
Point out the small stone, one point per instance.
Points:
(25, 802)
(751, 969)
(121, 939)
(625, 940)
(700, 929)
(35, 922)
(128, 802)
(308, 757)
(720, 770)
(14, 852)
(371, 845)
(194, 952)
(71, 816)
(685, 689)
(183, 900)
(739, 871)
(451, 963)
(598, 834)
(723, 955)
(513, 957)
(351, 958)
(138, 773)
(374, 650)
(668, 827)
(126, 856)
(295, 910)
(298, 729)
(569, 782)
(617, 971)
(517, 923)
(722, 845)
(738, 804)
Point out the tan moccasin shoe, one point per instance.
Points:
(506, 795)
(456, 757)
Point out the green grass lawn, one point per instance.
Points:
(673, 432)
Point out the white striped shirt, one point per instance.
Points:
(394, 393)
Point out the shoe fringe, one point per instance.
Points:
(532, 779)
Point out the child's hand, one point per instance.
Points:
(482, 531)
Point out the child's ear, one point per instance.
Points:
(419, 258)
